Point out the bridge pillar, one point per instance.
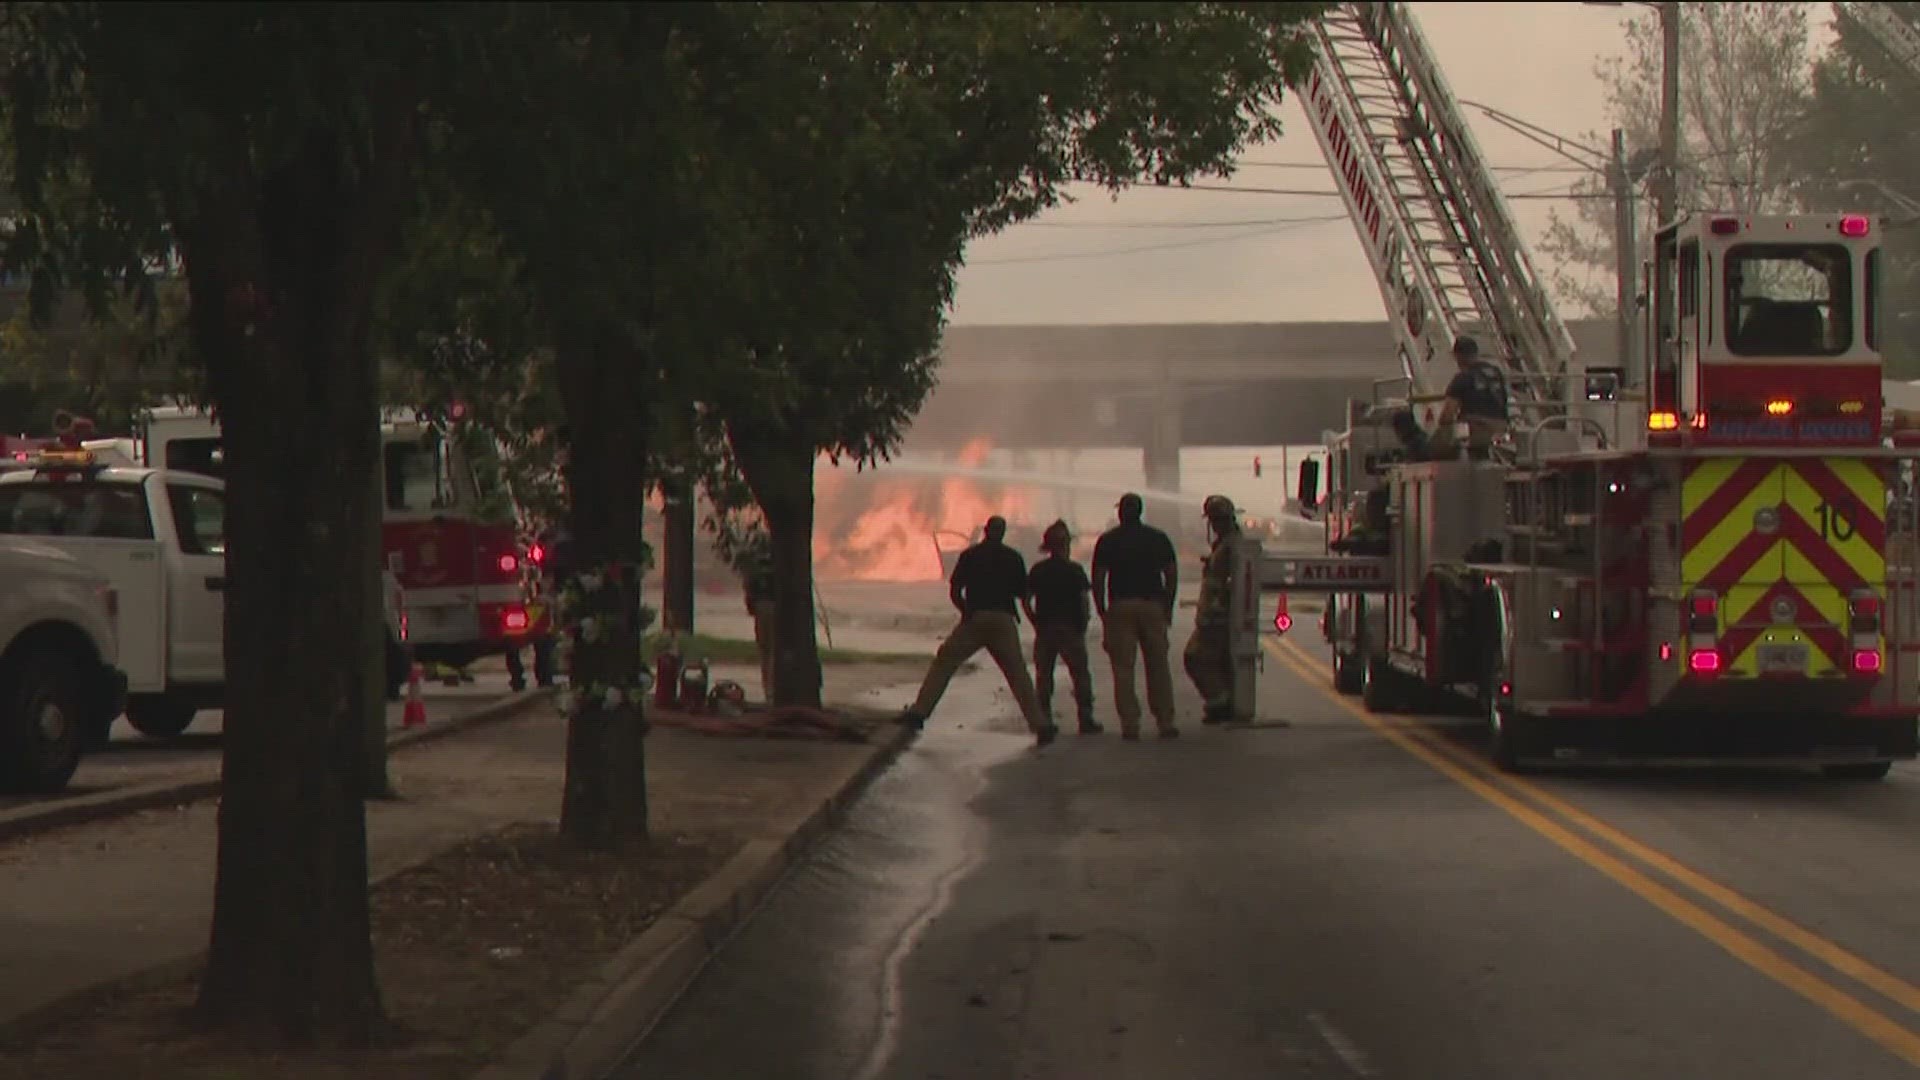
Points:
(1161, 454)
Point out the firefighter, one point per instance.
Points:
(1057, 605)
(1136, 576)
(1208, 654)
(988, 585)
(543, 590)
(754, 563)
(1477, 394)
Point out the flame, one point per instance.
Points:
(894, 528)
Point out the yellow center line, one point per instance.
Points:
(1877, 979)
(1837, 1002)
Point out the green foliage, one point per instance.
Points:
(1744, 81)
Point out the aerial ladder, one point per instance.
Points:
(1446, 254)
(1444, 248)
(1888, 29)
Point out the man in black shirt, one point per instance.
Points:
(1057, 607)
(1136, 574)
(988, 585)
(1477, 394)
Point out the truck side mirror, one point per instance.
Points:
(1308, 492)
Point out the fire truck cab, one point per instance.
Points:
(460, 569)
(1734, 590)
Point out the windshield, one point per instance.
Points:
(418, 476)
(1789, 300)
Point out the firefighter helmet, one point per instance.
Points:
(1219, 508)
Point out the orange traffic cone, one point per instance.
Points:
(415, 713)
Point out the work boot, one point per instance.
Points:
(516, 685)
(1218, 713)
(1089, 726)
(1045, 736)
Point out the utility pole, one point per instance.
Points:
(1666, 191)
(1626, 257)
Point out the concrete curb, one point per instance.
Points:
(612, 1012)
(45, 817)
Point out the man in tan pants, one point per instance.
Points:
(988, 585)
(1136, 575)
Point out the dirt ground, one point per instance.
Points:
(473, 948)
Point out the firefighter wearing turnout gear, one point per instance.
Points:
(1208, 656)
(988, 585)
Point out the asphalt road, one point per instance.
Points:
(1336, 898)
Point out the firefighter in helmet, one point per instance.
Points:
(1208, 655)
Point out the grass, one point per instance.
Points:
(719, 650)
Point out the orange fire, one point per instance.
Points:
(875, 527)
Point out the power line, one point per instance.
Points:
(1180, 224)
(1106, 253)
(1519, 169)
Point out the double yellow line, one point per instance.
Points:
(1563, 823)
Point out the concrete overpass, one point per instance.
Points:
(1160, 387)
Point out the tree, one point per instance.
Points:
(1744, 82)
(922, 126)
(276, 145)
(1855, 150)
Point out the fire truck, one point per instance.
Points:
(1718, 565)
(461, 570)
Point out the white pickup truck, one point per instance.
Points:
(159, 538)
(57, 675)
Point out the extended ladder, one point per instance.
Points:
(1893, 33)
(1443, 244)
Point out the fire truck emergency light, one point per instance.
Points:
(537, 554)
(514, 621)
(1703, 661)
(1854, 225)
(1779, 408)
(509, 563)
(1663, 421)
(1724, 226)
(1282, 622)
(1866, 661)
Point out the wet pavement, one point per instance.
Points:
(1333, 898)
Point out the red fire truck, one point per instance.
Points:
(462, 571)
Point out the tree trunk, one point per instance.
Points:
(282, 268)
(376, 782)
(605, 801)
(782, 481)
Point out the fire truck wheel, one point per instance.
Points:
(160, 717)
(1381, 686)
(42, 727)
(1876, 770)
(1349, 673)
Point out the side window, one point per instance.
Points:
(203, 456)
(199, 519)
(1690, 279)
(1872, 327)
(95, 511)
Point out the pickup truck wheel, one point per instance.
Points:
(43, 725)
(160, 717)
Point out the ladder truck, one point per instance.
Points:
(1702, 569)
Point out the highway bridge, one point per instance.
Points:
(1160, 387)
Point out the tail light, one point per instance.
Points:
(403, 626)
(1724, 226)
(537, 554)
(1703, 633)
(514, 620)
(1663, 421)
(1863, 628)
(509, 562)
(1855, 225)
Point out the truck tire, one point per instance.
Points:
(160, 717)
(1874, 770)
(1349, 673)
(43, 727)
(1380, 686)
(1504, 727)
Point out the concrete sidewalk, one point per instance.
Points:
(101, 902)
